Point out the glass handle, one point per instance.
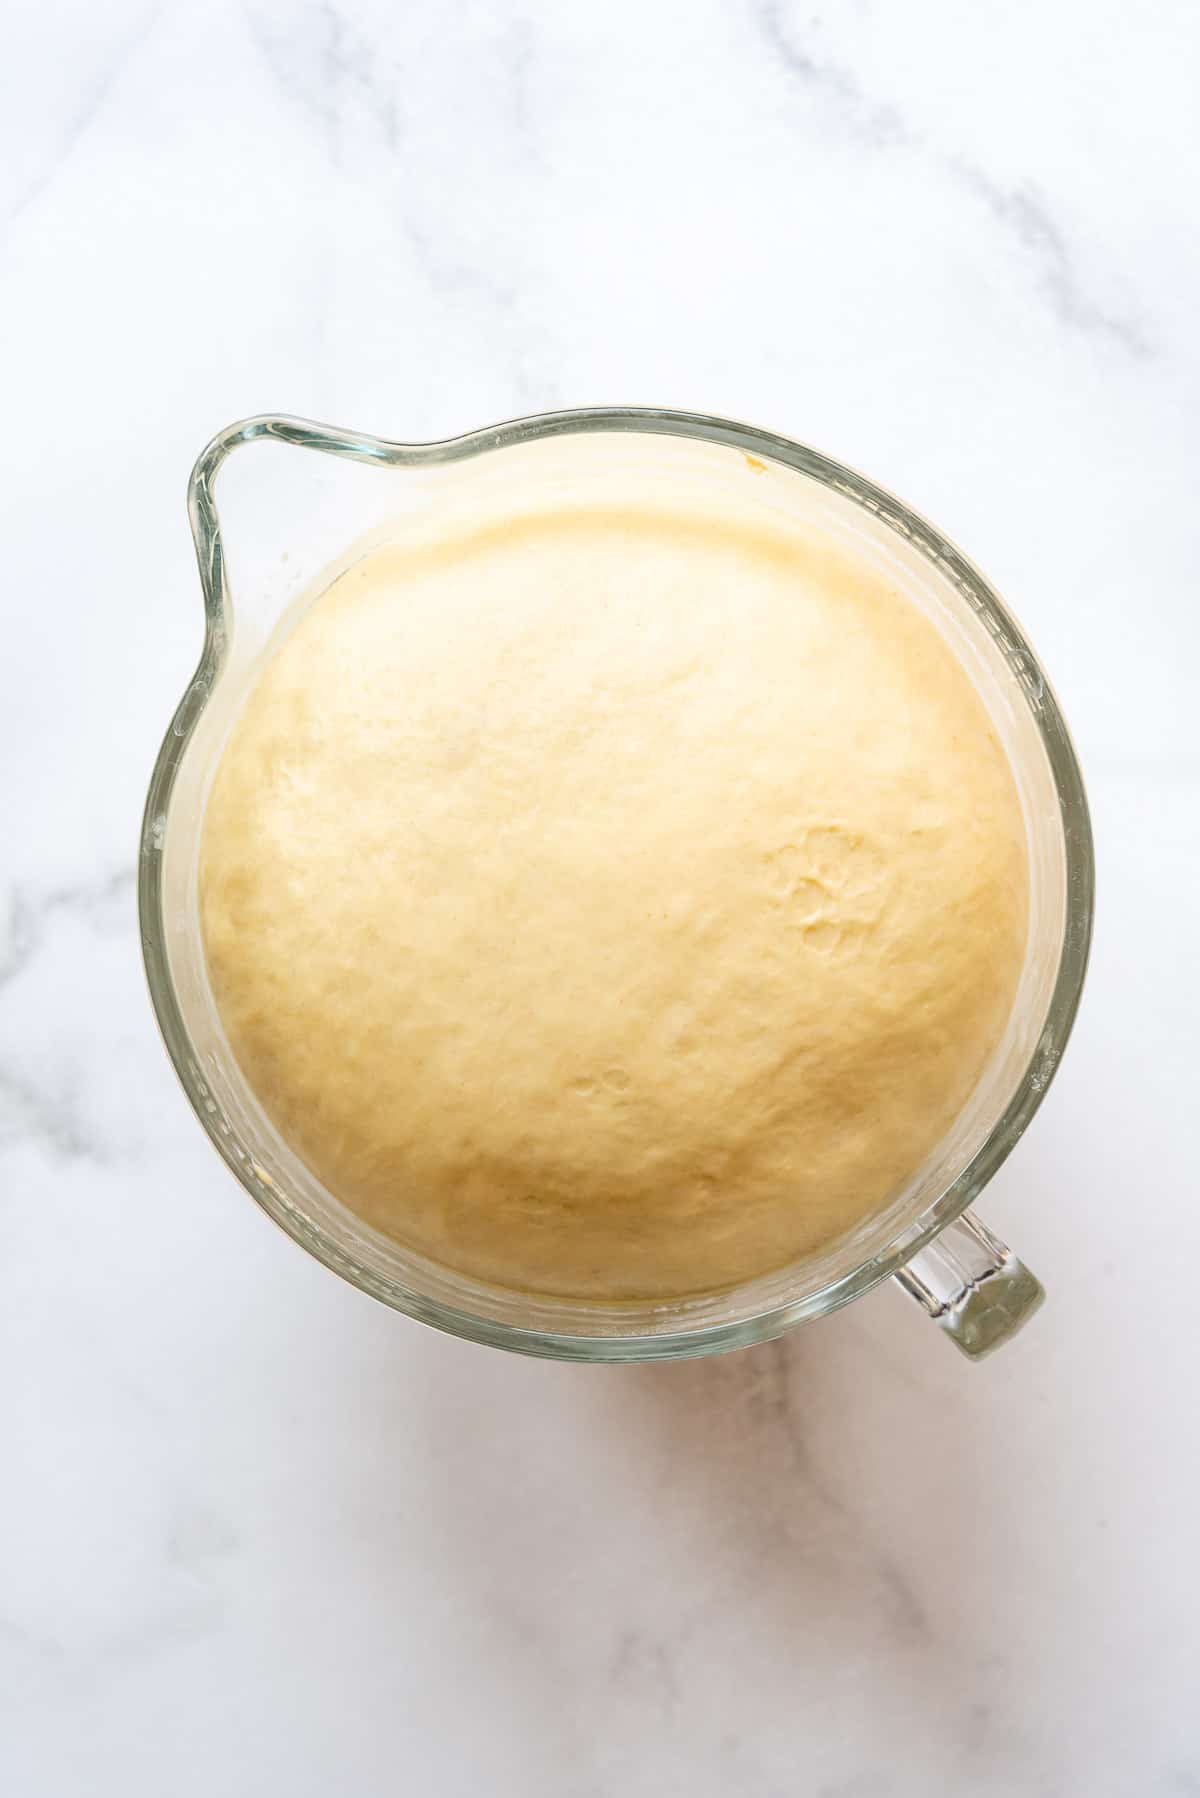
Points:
(972, 1285)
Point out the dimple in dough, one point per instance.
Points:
(614, 902)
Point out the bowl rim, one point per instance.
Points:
(774, 1319)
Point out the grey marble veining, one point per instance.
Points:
(259, 1534)
(1020, 211)
(38, 1102)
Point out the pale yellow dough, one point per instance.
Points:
(614, 902)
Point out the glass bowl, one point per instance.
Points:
(284, 533)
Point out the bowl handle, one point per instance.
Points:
(972, 1285)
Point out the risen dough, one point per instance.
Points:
(613, 903)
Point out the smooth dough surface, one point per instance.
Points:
(613, 902)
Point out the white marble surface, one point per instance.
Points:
(259, 1535)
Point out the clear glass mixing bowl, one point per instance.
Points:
(286, 524)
